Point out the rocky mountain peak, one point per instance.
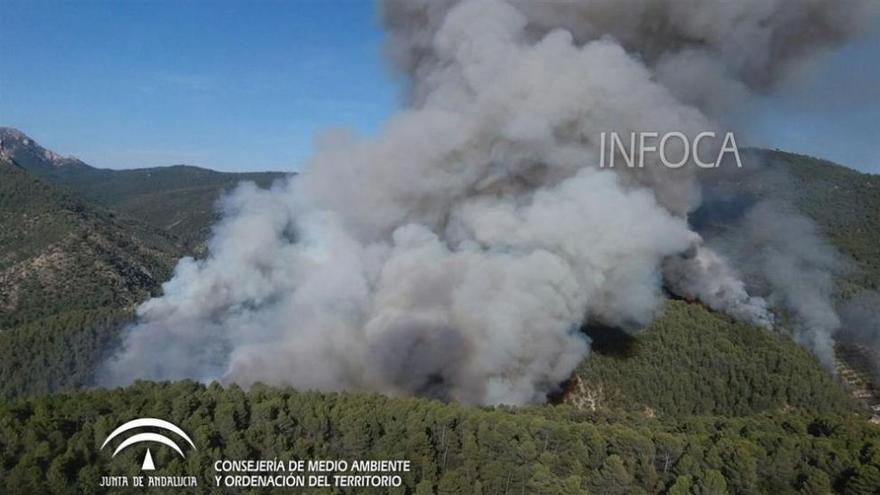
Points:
(19, 147)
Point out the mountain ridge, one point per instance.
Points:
(19, 147)
(179, 199)
(52, 239)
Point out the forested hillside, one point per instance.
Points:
(844, 202)
(179, 199)
(57, 352)
(52, 445)
(61, 253)
(692, 361)
(71, 274)
(80, 248)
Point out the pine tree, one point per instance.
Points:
(712, 483)
(613, 477)
(865, 481)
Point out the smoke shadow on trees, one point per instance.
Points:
(611, 341)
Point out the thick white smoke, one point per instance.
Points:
(777, 247)
(456, 255)
(705, 275)
(749, 217)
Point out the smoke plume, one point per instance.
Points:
(783, 253)
(860, 319)
(457, 254)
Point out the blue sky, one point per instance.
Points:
(832, 112)
(247, 85)
(230, 85)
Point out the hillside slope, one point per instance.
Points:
(179, 199)
(70, 274)
(692, 361)
(844, 202)
(80, 248)
(61, 253)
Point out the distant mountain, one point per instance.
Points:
(18, 147)
(179, 199)
(71, 273)
(80, 247)
(59, 252)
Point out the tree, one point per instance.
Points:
(425, 487)
(816, 483)
(712, 483)
(865, 481)
(682, 486)
(613, 478)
